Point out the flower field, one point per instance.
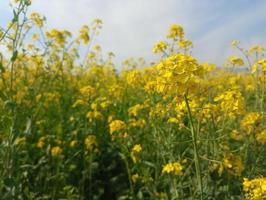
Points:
(76, 127)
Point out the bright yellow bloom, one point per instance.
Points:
(231, 103)
(87, 91)
(176, 31)
(175, 168)
(159, 47)
(175, 72)
(134, 110)
(137, 148)
(116, 125)
(250, 121)
(262, 63)
(173, 120)
(132, 77)
(255, 189)
(254, 68)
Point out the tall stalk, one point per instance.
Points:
(195, 148)
(18, 22)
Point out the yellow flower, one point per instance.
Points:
(176, 31)
(262, 63)
(56, 151)
(97, 21)
(97, 47)
(58, 36)
(91, 55)
(231, 103)
(250, 121)
(135, 178)
(233, 164)
(173, 120)
(37, 19)
(84, 34)
(90, 141)
(87, 91)
(94, 115)
(255, 189)
(236, 135)
(20, 140)
(256, 49)
(184, 44)
(97, 24)
(105, 104)
(159, 47)
(133, 111)
(72, 119)
(235, 43)
(137, 148)
(236, 61)
(254, 68)
(175, 168)
(78, 102)
(116, 125)
(41, 143)
(141, 123)
(168, 168)
(73, 143)
(132, 77)
(35, 36)
(261, 137)
(38, 97)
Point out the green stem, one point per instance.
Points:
(129, 175)
(196, 154)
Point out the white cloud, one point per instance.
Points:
(131, 27)
(215, 45)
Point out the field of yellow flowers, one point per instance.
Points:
(76, 128)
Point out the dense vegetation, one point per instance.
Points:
(76, 128)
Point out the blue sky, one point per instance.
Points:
(131, 27)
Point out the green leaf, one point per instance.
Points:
(3, 96)
(149, 164)
(15, 18)
(14, 56)
(2, 69)
(9, 182)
